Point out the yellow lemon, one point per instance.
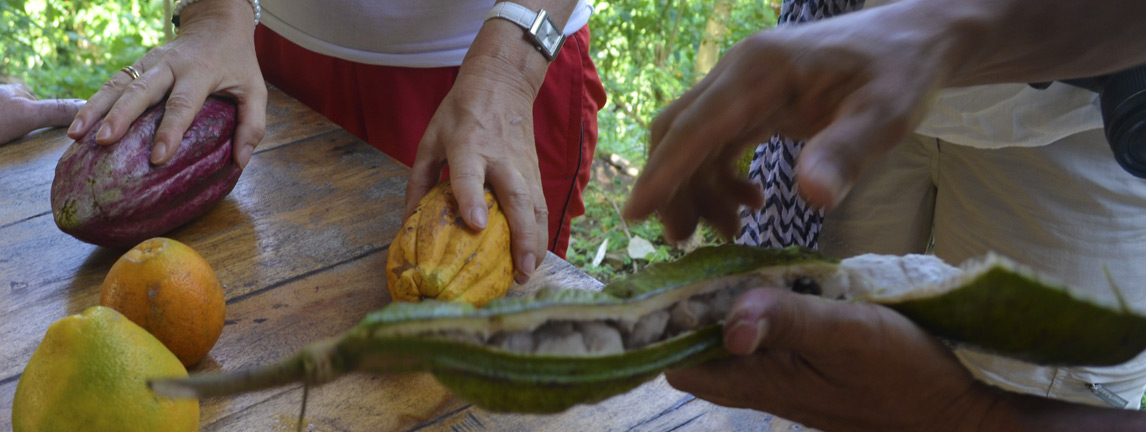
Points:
(90, 374)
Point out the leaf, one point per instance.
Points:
(601, 253)
(639, 248)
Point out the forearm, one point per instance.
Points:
(501, 50)
(1027, 40)
(1022, 413)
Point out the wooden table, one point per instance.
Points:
(300, 246)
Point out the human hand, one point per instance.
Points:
(23, 113)
(484, 131)
(838, 367)
(853, 86)
(214, 54)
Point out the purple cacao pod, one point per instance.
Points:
(114, 197)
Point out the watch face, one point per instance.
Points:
(547, 36)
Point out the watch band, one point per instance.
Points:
(513, 12)
(539, 28)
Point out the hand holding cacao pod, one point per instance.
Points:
(436, 255)
(213, 55)
(114, 197)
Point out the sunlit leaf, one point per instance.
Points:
(601, 253)
(640, 248)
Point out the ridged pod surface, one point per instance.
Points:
(565, 347)
(437, 256)
(113, 196)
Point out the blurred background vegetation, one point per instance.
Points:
(68, 48)
(647, 52)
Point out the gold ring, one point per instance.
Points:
(131, 72)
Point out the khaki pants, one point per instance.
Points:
(1066, 209)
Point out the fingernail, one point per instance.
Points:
(244, 156)
(836, 186)
(478, 217)
(76, 126)
(743, 336)
(829, 177)
(158, 152)
(525, 266)
(104, 133)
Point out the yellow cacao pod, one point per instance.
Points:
(436, 255)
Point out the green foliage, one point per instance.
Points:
(68, 48)
(646, 54)
(602, 223)
(646, 50)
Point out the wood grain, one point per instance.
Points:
(300, 246)
(290, 214)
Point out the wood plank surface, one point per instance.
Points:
(300, 246)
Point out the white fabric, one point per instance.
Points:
(406, 33)
(1008, 115)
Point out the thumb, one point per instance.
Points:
(53, 112)
(778, 319)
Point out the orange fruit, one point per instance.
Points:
(168, 289)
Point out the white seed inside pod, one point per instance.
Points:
(601, 338)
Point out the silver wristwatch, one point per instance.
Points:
(539, 29)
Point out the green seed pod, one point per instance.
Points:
(560, 348)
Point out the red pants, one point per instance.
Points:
(390, 107)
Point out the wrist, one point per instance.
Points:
(992, 412)
(968, 31)
(219, 15)
(982, 408)
(952, 32)
(501, 52)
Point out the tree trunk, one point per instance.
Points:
(668, 47)
(168, 28)
(714, 29)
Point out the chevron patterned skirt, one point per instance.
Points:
(785, 219)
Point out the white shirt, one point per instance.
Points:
(1011, 115)
(407, 33)
(1008, 115)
